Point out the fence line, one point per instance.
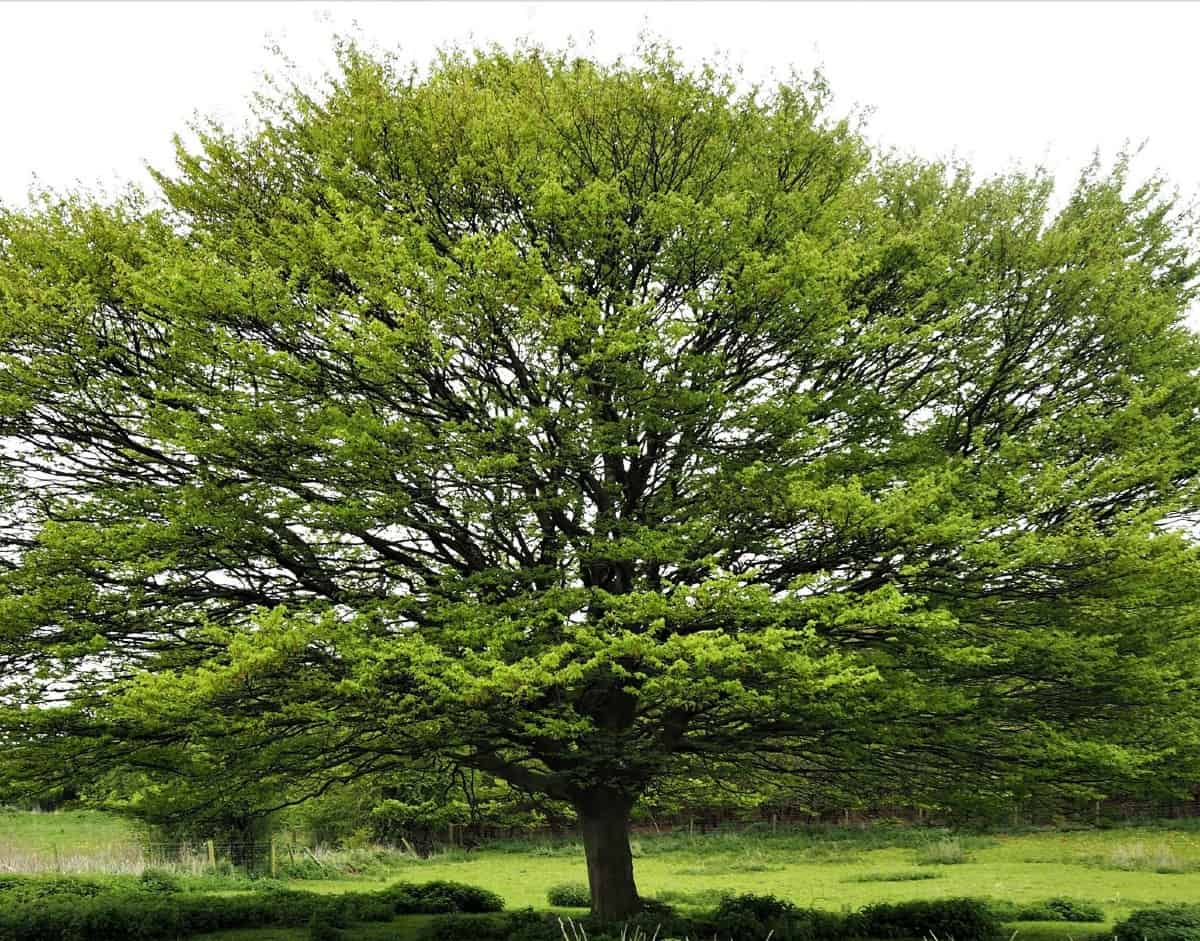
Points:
(283, 851)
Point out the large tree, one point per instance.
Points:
(596, 426)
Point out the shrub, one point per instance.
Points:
(14, 889)
(322, 928)
(305, 867)
(159, 882)
(440, 897)
(762, 908)
(569, 895)
(947, 852)
(1055, 909)
(963, 919)
(1169, 923)
(525, 925)
(140, 915)
(757, 916)
(707, 898)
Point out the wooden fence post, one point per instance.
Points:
(212, 854)
(274, 864)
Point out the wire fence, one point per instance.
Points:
(287, 855)
(259, 857)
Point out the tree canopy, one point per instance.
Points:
(596, 427)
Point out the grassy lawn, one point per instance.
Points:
(73, 832)
(838, 869)
(70, 841)
(845, 874)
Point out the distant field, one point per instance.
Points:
(73, 841)
(834, 869)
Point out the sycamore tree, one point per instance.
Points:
(595, 427)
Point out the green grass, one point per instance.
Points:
(70, 841)
(833, 868)
(906, 875)
(846, 872)
(71, 831)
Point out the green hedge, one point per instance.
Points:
(1055, 909)
(51, 910)
(1169, 923)
(569, 895)
(962, 919)
(748, 918)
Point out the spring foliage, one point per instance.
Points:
(596, 427)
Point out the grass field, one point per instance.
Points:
(70, 841)
(844, 870)
(1120, 869)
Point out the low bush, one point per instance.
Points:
(963, 919)
(1055, 909)
(757, 916)
(158, 881)
(742, 918)
(569, 895)
(525, 925)
(140, 915)
(322, 927)
(305, 867)
(15, 889)
(697, 898)
(430, 898)
(1169, 923)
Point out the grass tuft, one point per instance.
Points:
(907, 875)
(946, 852)
(1140, 857)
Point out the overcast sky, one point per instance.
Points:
(92, 91)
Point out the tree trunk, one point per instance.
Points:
(604, 821)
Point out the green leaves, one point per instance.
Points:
(596, 426)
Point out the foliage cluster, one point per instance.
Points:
(611, 429)
(1054, 909)
(1168, 923)
(750, 917)
(83, 910)
(569, 895)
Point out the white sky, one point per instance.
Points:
(92, 91)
